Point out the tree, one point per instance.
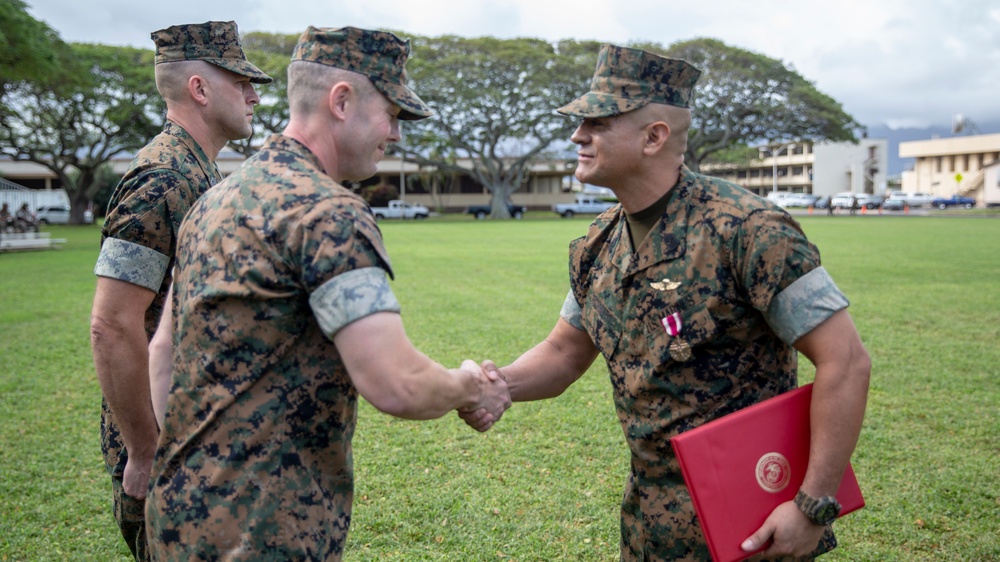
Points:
(495, 103)
(744, 97)
(105, 105)
(270, 52)
(29, 49)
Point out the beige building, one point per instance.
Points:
(549, 181)
(821, 169)
(954, 165)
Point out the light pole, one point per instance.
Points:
(774, 162)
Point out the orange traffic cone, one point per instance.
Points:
(810, 209)
(864, 210)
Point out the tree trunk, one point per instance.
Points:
(498, 202)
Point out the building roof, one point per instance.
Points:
(974, 144)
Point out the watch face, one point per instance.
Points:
(827, 513)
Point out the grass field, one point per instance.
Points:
(545, 483)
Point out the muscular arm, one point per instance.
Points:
(401, 381)
(161, 361)
(840, 393)
(544, 371)
(547, 370)
(118, 341)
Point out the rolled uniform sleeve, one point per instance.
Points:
(344, 265)
(351, 296)
(804, 305)
(132, 263)
(783, 277)
(140, 234)
(571, 311)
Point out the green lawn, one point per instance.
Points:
(545, 483)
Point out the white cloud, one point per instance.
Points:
(893, 61)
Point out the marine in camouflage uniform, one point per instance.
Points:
(694, 300)
(138, 239)
(255, 458)
(739, 272)
(258, 459)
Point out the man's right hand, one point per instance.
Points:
(495, 397)
(135, 480)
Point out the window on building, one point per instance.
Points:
(741, 174)
(468, 185)
(796, 170)
(937, 164)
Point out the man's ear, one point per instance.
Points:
(339, 100)
(198, 88)
(657, 134)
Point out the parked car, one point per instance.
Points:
(400, 210)
(953, 201)
(869, 201)
(912, 198)
(483, 211)
(822, 203)
(894, 204)
(798, 200)
(843, 200)
(59, 214)
(583, 204)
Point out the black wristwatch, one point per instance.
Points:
(821, 511)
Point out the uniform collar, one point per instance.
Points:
(285, 143)
(207, 166)
(665, 241)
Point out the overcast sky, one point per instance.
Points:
(895, 63)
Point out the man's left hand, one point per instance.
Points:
(793, 534)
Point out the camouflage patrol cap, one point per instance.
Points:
(626, 79)
(216, 42)
(379, 55)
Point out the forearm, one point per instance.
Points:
(118, 341)
(161, 361)
(837, 413)
(120, 358)
(549, 368)
(431, 392)
(840, 394)
(395, 377)
(160, 368)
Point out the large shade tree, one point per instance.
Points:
(272, 53)
(104, 104)
(29, 49)
(494, 101)
(744, 97)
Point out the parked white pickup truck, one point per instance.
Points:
(400, 210)
(584, 204)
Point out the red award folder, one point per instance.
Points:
(738, 468)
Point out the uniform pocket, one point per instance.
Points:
(693, 325)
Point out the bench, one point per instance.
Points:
(17, 241)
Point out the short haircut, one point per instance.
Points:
(677, 118)
(172, 77)
(309, 83)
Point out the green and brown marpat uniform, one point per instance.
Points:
(138, 242)
(255, 457)
(744, 283)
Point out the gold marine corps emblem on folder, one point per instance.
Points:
(773, 472)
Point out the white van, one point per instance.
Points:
(912, 198)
